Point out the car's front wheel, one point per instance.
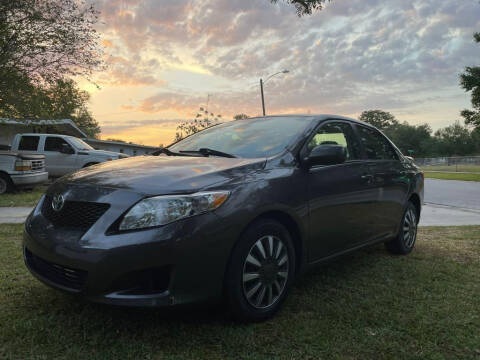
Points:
(404, 242)
(261, 271)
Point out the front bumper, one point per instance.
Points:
(25, 180)
(187, 259)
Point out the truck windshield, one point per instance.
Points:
(248, 138)
(80, 144)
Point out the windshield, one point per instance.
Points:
(248, 138)
(80, 144)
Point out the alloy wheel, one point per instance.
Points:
(265, 272)
(409, 228)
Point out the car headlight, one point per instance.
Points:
(162, 210)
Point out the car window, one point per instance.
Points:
(29, 143)
(337, 133)
(377, 147)
(53, 143)
(248, 138)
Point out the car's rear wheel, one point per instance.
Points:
(404, 242)
(6, 184)
(261, 271)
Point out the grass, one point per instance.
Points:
(22, 197)
(370, 305)
(446, 168)
(452, 176)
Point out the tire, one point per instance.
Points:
(260, 272)
(404, 242)
(6, 184)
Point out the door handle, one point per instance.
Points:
(368, 178)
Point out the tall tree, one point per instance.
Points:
(306, 7)
(48, 40)
(60, 100)
(411, 139)
(455, 139)
(378, 118)
(470, 81)
(42, 44)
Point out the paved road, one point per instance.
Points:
(462, 194)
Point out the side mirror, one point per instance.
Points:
(326, 155)
(66, 149)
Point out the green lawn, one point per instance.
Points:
(22, 197)
(452, 176)
(370, 305)
(461, 168)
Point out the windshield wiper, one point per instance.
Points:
(207, 152)
(167, 152)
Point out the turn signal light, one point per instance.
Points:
(23, 165)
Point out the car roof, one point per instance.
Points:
(317, 117)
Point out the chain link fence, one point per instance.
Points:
(466, 164)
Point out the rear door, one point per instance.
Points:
(340, 196)
(390, 180)
(58, 163)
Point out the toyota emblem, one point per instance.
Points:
(57, 202)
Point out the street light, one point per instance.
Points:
(263, 82)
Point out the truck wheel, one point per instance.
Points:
(6, 184)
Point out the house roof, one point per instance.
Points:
(119, 143)
(66, 126)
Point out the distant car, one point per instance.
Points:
(63, 154)
(235, 211)
(19, 171)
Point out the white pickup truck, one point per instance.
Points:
(21, 170)
(63, 154)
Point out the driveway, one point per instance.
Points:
(462, 194)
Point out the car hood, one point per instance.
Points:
(157, 175)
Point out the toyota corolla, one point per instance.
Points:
(234, 212)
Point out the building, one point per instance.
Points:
(10, 127)
(121, 147)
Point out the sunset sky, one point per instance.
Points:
(166, 56)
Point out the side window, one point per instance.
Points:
(54, 143)
(376, 145)
(337, 133)
(29, 143)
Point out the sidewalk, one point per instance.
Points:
(14, 215)
(432, 215)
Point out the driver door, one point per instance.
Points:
(340, 196)
(58, 163)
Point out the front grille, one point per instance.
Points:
(37, 165)
(61, 275)
(79, 215)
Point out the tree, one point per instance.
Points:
(61, 100)
(455, 139)
(203, 120)
(378, 118)
(48, 40)
(407, 138)
(470, 81)
(305, 7)
(240, 116)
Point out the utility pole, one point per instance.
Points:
(263, 82)
(263, 100)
